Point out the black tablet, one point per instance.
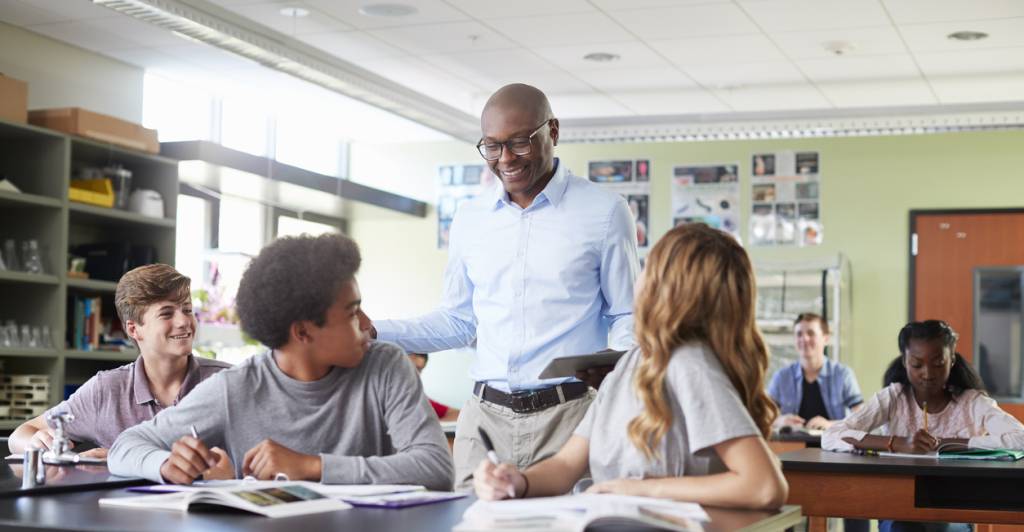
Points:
(568, 366)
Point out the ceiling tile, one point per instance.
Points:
(18, 13)
(566, 106)
(1002, 60)
(933, 37)
(443, 38)
(207, 56)
(798, 15)
(489, 9)
(549, 81)
(269, 15)
(742, 75)
(719, 50)
(878, 93)
(561, 30)
(619, 5)
(774, 98)
(353, 46)
(1004, 88)
(488, 65)
(85, 34)
(687, 21)
(428, 12)
(659, 103)
(631, 55)
(635, 79)
(888, 67)
(862, 41)
(919, 11)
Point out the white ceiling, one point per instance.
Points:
(680, 57)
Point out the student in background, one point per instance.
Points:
(323, 404)
(690, 397)
(154, 304)
(932, 400)
(815, 391)
(444, 412)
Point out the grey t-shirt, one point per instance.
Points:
(370, 424)
(114, 400)
(706, 411)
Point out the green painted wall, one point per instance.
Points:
(869, 185)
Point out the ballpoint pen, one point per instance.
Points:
(493, 456)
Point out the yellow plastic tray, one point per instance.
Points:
(92, 191)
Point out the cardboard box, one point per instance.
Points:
(13, 100)
(96, 126)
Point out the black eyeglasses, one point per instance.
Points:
(519, 146)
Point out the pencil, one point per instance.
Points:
(925, 405)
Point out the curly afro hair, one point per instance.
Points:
(294, 279)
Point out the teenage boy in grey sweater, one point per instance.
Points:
(323, 404)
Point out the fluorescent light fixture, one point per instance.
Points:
(214, 26)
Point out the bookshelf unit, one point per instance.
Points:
(41, 162)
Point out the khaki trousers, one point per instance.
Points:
(519, 439)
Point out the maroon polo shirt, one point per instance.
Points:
(117, 399)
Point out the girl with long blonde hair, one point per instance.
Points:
(684, 414)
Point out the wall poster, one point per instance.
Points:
(707, 194)
(457, 183)
(785, 199)
(632, 179)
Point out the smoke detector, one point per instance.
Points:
(838, 47)
(601, 57)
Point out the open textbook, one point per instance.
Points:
(272, 498)
(574, 513)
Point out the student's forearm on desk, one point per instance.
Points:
(558, 474)
(22, 436)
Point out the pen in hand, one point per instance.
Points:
(493, 457)
(195, 434)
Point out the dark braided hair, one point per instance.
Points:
(962, 376)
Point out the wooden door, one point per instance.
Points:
(949, 245)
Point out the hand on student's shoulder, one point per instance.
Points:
(189, 459)
(268, 459)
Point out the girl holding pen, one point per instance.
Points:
(933, 400)
(684, 415)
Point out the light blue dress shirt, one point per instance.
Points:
(530, 285)
(838, 384)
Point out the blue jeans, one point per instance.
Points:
(911, 526)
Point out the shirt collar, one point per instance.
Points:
(140, 384)
(798, 370)
(553, 192)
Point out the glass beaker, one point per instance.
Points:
(32, 261)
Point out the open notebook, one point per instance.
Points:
(574, 513)
(285, 499)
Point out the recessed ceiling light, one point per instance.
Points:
(295, 12)
(387, 10)
(601, 57)
(967, 36)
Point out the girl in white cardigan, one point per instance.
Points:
(929, 376)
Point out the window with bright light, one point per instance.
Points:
(241, 228)
(308, 140)
(192, 236)
(177, 111)
(289, 226)
(244, 126)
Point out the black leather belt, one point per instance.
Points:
(532, 400)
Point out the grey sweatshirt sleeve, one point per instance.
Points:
(142, 449)
(421, 456)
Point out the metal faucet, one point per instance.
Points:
(60, 451)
